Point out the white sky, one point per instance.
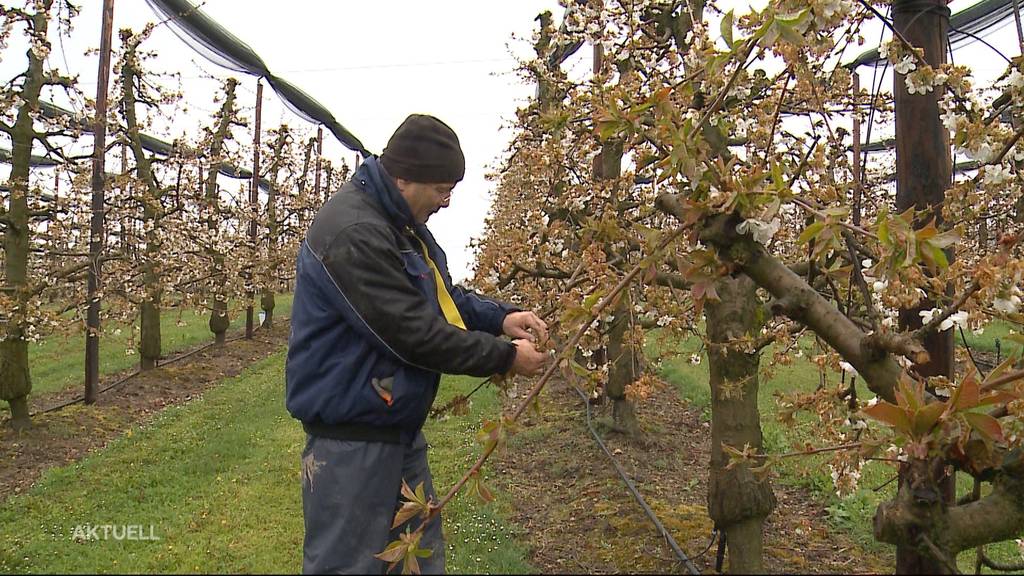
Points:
(373, 63)
(370, 63)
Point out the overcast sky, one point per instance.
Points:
(372, 64)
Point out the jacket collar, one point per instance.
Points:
(381, 186)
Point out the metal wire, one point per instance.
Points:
(78, 399)
(636, 494)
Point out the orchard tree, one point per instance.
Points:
(218, 239)
(24, 209)
(146, 207)
(773, 224)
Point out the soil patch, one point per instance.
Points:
(66, 435)
(579, 517)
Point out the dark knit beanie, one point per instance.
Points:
(425, 150)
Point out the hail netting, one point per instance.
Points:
(218, 45)
(976, 20)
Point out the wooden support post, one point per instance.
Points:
(858, 175)
(92, 332)
(254, 206)
(923, 174)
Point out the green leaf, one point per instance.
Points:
(794, 18)
(579, 369)
(985, 425)
(883, 229)
(889, 414)
(489, 434)
(590, 301)
(1002, 368)
(726, 28)
(811, 231)
(938, 256)
(393, 553)
(926, 418)
(967, 395)
(1000, 397)
(480, 490)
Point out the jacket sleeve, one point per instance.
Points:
(479, 312)
(367, 268)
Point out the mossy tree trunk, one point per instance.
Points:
(738, 501)
(219, 320)
(150, 345)
(622, 369)
(267, 297)
(15, 377)
(621, 355)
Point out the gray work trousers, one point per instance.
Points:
(350, 493)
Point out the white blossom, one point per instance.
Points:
(958, 318)
(926, 315)
(997, 174)
(762, 232)
(695, 359)
(907, 64)
(952, 121)
(916, 86)
(983, 152)
(1016, 79)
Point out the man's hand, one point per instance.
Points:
(528, 361)
(526, 325)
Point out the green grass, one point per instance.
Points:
(58, 362)
(479, 538)
(997, 330)
(854, 513)
(218, 481)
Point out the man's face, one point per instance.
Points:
(425, 199)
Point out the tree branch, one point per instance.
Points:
(934, 323)
(879, 369)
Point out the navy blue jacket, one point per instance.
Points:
(368, 338)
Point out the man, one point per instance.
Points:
(375, 322)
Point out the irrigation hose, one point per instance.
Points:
(177, 358)
(636, 494)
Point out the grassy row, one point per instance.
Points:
(58, 362)
(217, 481)
(854, 513)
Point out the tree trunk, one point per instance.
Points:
(15, 379)
(923, 174)
(267, 298)
(152, 211)
(267, 303)
(622, 369)
(149, 339)
(738, 501)
(19, 414)
(219, 321)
